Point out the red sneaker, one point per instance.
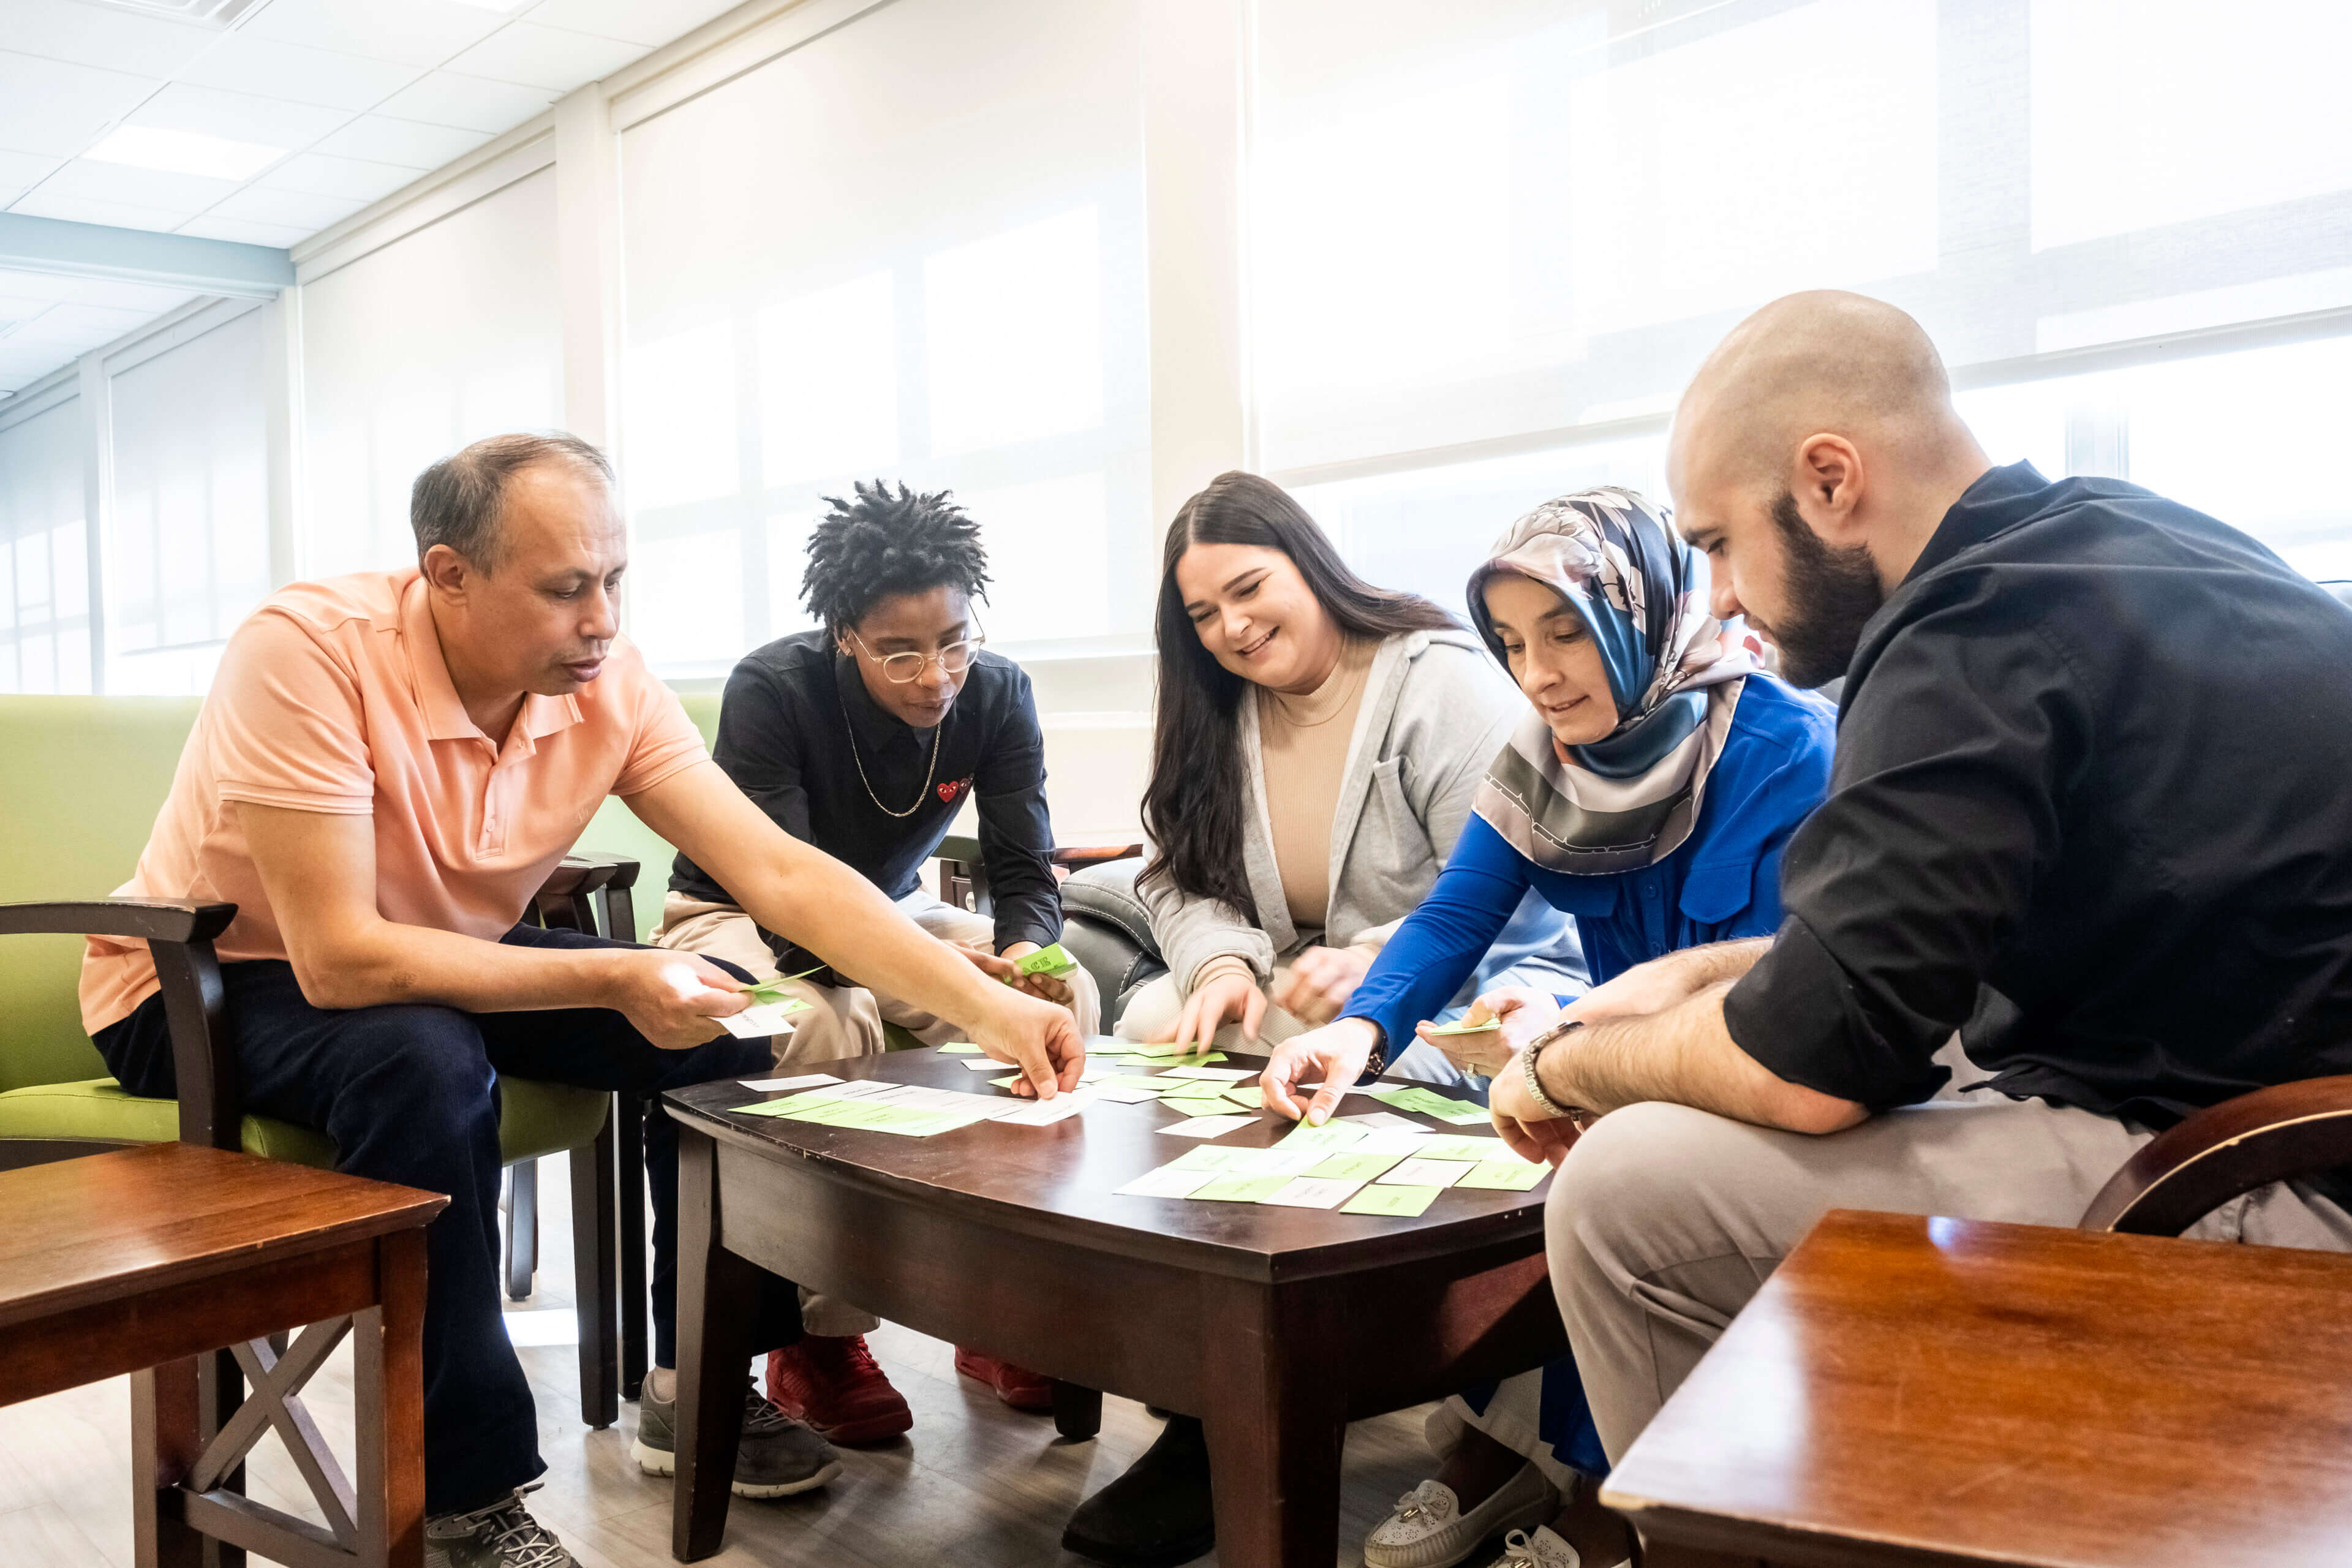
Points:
(833, 1385)
(1020, 1388)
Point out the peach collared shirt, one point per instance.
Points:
(334, 696)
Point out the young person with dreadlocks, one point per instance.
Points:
(864, 738)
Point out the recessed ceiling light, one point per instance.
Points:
(185, 152)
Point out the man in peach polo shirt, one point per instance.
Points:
(386, 768)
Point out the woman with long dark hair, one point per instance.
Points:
(1317, 746)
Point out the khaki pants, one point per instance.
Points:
(844, 1020)
(1664, 1221)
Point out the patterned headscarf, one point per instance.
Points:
(1630, 798)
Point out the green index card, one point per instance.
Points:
(1156, 1084)
(1354, 1167)
(1453, 1146)
(1248, 1094)
(1397, 1203)
(1241, 1189)
(1193, 1105)
(1331, 1135)
(1515, 1176)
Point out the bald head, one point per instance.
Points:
(1824, 361)
(1812, 457)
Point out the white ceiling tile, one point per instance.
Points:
(245, 232)
(49, 106)
(322, 175)
(145, 297)
(49, 286)
(20, 367)
(239, 116)
(23, 168)
(88, 179)
(14, 309)
(549, 57)
(445, 97)
(295, 209)
(116, 214)
(272, 69)
(639, 21)
(418, 32)
(380, 139)
(86, 326)
(93, 35)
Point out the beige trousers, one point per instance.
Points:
(1664, 1221)
(844, 1020)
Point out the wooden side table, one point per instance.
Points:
(1907, 1391)
(143, 1260)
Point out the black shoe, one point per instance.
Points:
(1158, 1514)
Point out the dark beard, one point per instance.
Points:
(1832, 594)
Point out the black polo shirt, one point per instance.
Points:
(2095, 753)
(797, 723)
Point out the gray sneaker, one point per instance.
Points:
(779, 1456)
(496, 1535)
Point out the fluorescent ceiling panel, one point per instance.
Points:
(184, 153)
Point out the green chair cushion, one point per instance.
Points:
(540, 1118)
(100, 1110)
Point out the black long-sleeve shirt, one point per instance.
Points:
(2096, 754)
(796, 725)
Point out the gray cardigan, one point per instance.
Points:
(1435, 711)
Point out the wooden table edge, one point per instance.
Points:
(411, 1215)
(1126, 1241)
(1751, 1537)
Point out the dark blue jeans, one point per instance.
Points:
(410, 1094)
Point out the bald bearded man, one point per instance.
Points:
(2088, 802)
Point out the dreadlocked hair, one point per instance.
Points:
(880, 545)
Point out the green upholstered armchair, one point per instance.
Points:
(82, 780)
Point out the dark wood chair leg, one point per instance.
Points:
(1276, 1420)
(521, 1228)
(164, 1446)
(716, 1291)
(1078, 1412)
(388, 1405)
(594, 1231)
(629, 1153)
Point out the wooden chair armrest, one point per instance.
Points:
(1078, 858)
(2292, 1129)
(144, 920)
(179, 934)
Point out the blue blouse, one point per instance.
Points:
(1722, 883)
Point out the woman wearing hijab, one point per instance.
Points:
(1649, 793)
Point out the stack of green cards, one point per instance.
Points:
(1425, 1103)
(1049, 961)
(1464, 1027)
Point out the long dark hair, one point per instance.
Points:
(1198, 800)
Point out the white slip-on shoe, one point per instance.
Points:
(1541, 1550)
(1429, 1528)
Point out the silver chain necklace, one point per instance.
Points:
(938, 730)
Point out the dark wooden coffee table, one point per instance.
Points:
(1277, 1326)
(1907, 1392)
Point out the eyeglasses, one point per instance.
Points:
(904, 669)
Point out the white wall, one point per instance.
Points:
(1427, 265)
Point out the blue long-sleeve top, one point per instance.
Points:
(1721, 883)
